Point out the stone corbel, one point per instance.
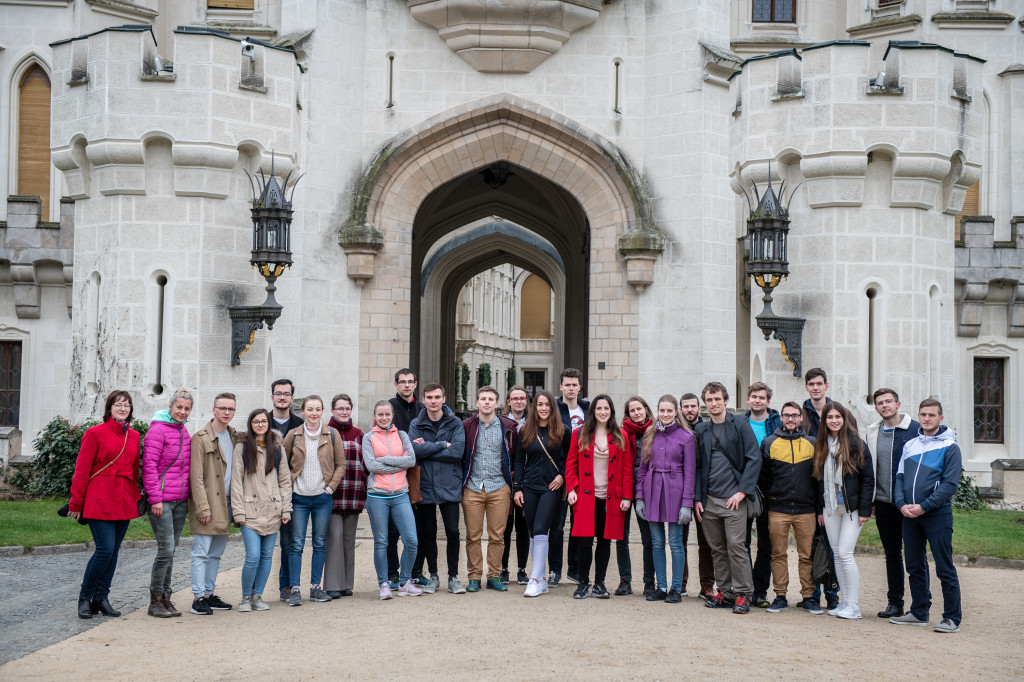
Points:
(1015, 312)
(834, 180)
(640, 249)
(917, 181)
(719, 64)
(360, 242)
(69, 281)
(202, 169)
(119, 167)
(72, 162)
(971, 308)
(26, 291)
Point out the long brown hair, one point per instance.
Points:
(250, 453)
(851, 449)
(590, 425)
(648, 442)
(508, 400)
(556, 429)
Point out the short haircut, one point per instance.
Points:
(433, 386)
(404, 370)
(815, 372)
(795, 405)
(714, 387)
(281, 382)
(341, 396)
(487, 389)
(224, 396)
(570, 373)
(882, 391)
(113, 398)
(687, 396)
(760, 386)
(930, 402)
(180, 394)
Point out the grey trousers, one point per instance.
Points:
(726, 533)
(340, 565)
(166, 530)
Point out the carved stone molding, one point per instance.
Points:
(513, 36)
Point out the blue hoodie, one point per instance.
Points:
(929, 472)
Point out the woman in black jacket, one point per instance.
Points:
(539, 480)
(843, 471)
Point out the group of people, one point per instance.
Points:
(805, 470)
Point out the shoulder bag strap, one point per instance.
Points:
(550, 458)
(108, 464)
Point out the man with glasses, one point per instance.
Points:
(405, 408)
(209, 508)
(790, 491)
(284, 420)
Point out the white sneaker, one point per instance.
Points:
(533, 589)
(258, 604)
(245, 605)
(432, 584)
(851, 612)
(456, 587)
(543, 586)
(408, 589)
(836, 610)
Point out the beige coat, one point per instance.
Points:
(206, 479)
(332, 459)
(260, 501)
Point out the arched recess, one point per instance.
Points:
(578, 166)
(30, 133)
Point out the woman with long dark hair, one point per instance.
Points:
(842, 468)
(538, 479)
(261, 500)
(599, 476)
(639, 417)
(104, 493)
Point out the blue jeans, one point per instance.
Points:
(304, 507)
(937, 530)
(259, 552)
(675, 543)
(99, 572)
(399, 510)
(206, 553)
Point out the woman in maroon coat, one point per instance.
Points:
(105, 492)
(599, 478)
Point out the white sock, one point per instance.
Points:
(540, 557)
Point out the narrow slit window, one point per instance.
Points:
(391, 81)
(161, 299)
(617, 102)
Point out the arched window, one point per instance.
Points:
(34, 137)
(535, 309)
(972, 207)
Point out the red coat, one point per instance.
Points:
(113, 495)
(579, 477)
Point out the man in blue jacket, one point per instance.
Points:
(927, 478)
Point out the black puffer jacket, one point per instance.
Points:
(788, 460)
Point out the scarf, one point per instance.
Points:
(829, 477)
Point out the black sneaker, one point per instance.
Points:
(581, 591)
(778, 605)
(200, 607)
(216, 603)
(553, 578)
(760, 601)
(719, 601)
(657, 595)
(673, 597)
(649, 587)
(832, 600)
(599, 592)
(742, 605)
(573, 578)
(624, 588)
(521, 577)
(504, 576)
(811, 606)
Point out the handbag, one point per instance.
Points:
(66, 509)
(822, 569)
(143, 497)
(565, 488)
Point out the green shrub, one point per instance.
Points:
(967, 496)
(510, 378)
(483, 375)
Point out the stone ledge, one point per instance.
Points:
(972, 19)
(886, 25)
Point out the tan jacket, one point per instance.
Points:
(332, 459)
(258, 500)
(206, 479)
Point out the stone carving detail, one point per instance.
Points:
(513, 36)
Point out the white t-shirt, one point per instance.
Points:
(576, 417)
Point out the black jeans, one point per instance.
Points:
(426, 530)
(540, 511)
(604, 548)
(522, 538)
(283, 577)
(761, 564)
(99, 572)
(557, 540)
(622, 550)
(890, 529)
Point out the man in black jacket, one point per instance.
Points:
(689, 406)
(730, 463)
(573, 411)
(283, 420)
(405, 408)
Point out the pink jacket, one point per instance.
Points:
(164, 441)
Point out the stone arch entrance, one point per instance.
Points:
(584, 178)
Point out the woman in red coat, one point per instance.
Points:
(105, 492)
(599, 478)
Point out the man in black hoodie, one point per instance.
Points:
(405, 408)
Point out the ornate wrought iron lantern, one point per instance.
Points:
(768, 264)
(271, 255)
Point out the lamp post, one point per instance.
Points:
(768, 264)
(271, 255)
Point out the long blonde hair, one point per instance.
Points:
(648, 442)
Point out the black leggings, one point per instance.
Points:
(426, 529)
(604, 547)
(541, 510)
(522, 538)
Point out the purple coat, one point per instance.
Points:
(163, 442)
(665, 483)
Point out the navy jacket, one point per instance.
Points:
(740, 446)
(812, 420)
(772, 421)
(509, 436)
(440, 466)
(563, 410)
(929, 472)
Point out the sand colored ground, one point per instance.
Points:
(491, 635)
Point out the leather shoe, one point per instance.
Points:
(84, 608)
(891, 611)
(103, 606)
(334, 594)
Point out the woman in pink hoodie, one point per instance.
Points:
(165, 465)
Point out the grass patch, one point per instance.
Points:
(33, 523)
(998, 534)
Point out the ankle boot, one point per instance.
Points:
(84, 609)
(103, 606)
(156, 605)
(171, 609)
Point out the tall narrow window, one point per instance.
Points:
(391, 81)
(775, 10)
(34, 137)
(158, 384)
(872, 295)
(617, 103)
(972, 206)
(988, 400)
(535, 309)
(10, 382)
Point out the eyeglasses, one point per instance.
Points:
(278, 394)
(122, 406)
(406, 382)
(225, 409)
(790, 416)
(259, 422)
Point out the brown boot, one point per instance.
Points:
(156, 605)
(169, 606)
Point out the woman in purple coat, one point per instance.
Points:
(664, 492)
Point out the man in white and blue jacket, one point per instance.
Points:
(927, 478)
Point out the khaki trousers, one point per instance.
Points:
(803, 529)
(474, 506)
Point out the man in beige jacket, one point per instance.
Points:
(209, 509)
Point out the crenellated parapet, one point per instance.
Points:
(989, 275)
